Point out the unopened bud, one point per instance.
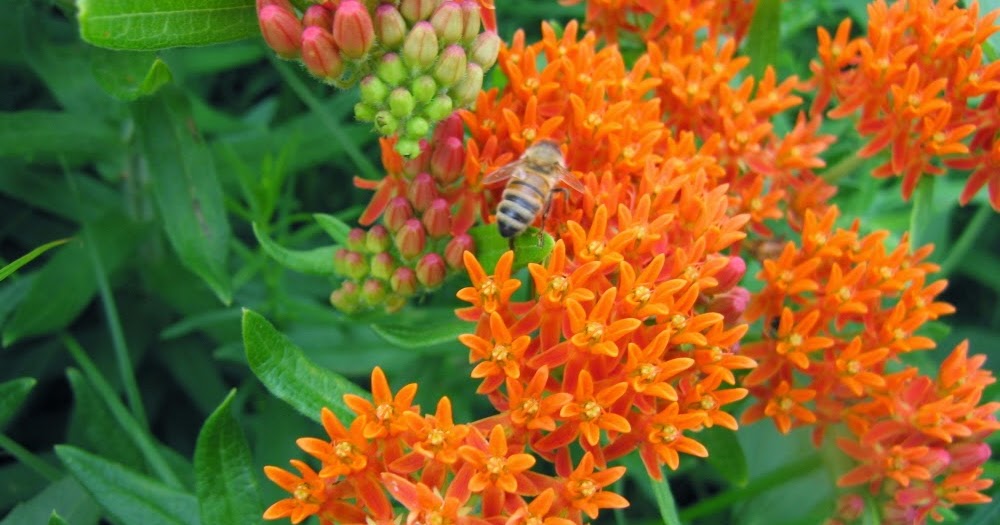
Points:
(393, 303)
(417, 128)
(421, 46)
(450, 127)
(391, 69)
(415, 165)
(355, 265)
(455, 248)
(423, 88)
(383, 265)
(281, 29)
(411, 239)
(408, 148)
(850, 507)
(377, 239)
(451, 67)
(416, 10)
(731, 304)
(397, 212)
(320, 55)
(431, 270)
(364, 112)
(404, 281)
(471, 20)
(447, 22)
(936, 461)
(401, 102)
(467, 89)
(484, 49)
(447, 160)
(319, 16)
(345, 298)
(373, 90)
(729, 276)
(373, 292)
(340, 261)
(439, 108)
(385, 123)
(968, 456)
(356, 240)
(390, 26)
(353, 29)
(437, 218)
(422, 191)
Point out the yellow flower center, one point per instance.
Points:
(594, 331)
(669, 433)
(938, 137)
(786, 276)
(885, 272)
(301, 492)
(584, 78)
(786, 404)
(534, 520)
(591, 410)
(488, 123)
(641, 294)
(715, 354)
(853, 366)
(819, 238)
(648, 372)
(708, 403)
(529, 134)
(756, 204)
(530, 406)
(629, 152)
(558, 284)
(436, 437)
(588, 488)
(594, 120)
(488, 288)
(500, 352)
(899, 334)
(691, 273)
(531, 83)
(736, 107)
(795, 340)
(595, 248)
(496, 465)
(679, 322)
(844, 293)
(343, 450)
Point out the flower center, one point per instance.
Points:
(648, 372)
(436, 437)
(496, 465)
(383, 411)
(591, 410)
(343, 450)
(853, 366)
(594, 331)
(500, 352)
(301, 492)
(795, 340)
(669, 433)
(530, 406)
(588, 488)
(595, 248)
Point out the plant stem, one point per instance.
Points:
(23, 455)
(965, 241)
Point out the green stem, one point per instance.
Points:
(842, 169)
(23, 455)
(966, 240)
(777, 477)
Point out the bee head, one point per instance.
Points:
(547, 151)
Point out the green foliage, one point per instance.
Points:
(159, 24)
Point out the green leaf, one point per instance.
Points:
(93, 426)
(317, 261)
(334, 227)
(55, 135)
(528, 248)
(6, 271)
(12, 396)
(763, 38)
(56, 519)
(986, 514)
(157, 24)
(725, 454)
(127, 495)
(665, 501)
(409, 335)
(287, 374)
(226, 482)
(129, 75)
(66, 496)
(187, 193)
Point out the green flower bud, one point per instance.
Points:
(439, 108)
(408, 148)
(401, 102)
(389, 26)
(447, 22)
(391, 69)
(417, 10)
(364, 112)
(423, 88)
(421, 46)
(346, 297)
(385, 123)
(467, 90)
(373, 292)
(373, 90)
(451, 67)
(417, 128)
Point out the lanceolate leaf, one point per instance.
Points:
(316, 261)
(128, 75)
(334, 227)
(127, 495)
(226, 481)
(287, 374)
(12, 396)
(726, 454)
(54, 136)
(65, 496)
(158, 24)
(187, 192)
(439, 331)
(6, 271)
(665, 501)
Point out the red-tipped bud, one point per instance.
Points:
(968, 456)
(416, 10)
(356, 240)
(729, 276)
(731, 304)
(382, 266)
(353, 29)
(420, 49)
(448, 160)
(397, 212)
(471, 20)
(850, 507)
(422, 191)
(389, 26)
(355, 265)
(319, 16)
(340, 261)
(936, 461)
(451, 67)
(320, 54)
(391, 69)
(484, 49)
(411, 239)
(281, 29)
(448, 128)
(437, 218)
(447, 22)
(345, 298)
(431, 270)
(467, 89)
(439, 108)
(416, 165)
(401, 102)
(404, 281)
(373, 292)
(377, 239)
(455, 248)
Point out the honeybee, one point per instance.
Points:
(533, 179)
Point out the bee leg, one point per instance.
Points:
(510, 243)
(548, 206)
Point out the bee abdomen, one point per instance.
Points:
(515, 214)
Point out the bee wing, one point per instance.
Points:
(502, 174)
(566, 177)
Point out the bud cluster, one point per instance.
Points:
(416, 60)
(425, 215)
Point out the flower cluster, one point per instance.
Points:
(416, 60)
(839, 310)
(922, 87)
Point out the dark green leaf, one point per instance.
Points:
(764, 35)
(66, 496)
(28, 257)
(665, 501)
(226, 480)
(93, 199)
(54, 135)
(93, 426)
(56, 519)
(287, 373)
(986, 514)
(12, 396)
(158, 24)
(127, 495)
(408, 335)
(725, 454)
(187, 193)
(128, 75)
(528, 247)
(317, 261)
(334, 227)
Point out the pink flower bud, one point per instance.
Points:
(437, 218)
(353, 30)
(389, 26)
(356, 240)
(471, 20)
(422, 191)
(467, 89)
(731, 304)
(850, 507)
(403, 281)
(417, 10)
(373, 292)
(397, 212)
(431, 270)
(340, 261)
(448, 160)
(729, 276)
(382, 266)
(355, 265)
(345, 298)
(447, 22)
(377, 240)
(936, 460)
(455, 248)
(449, 128)
(411, 239)
(319, 16)
(451, 66)
(420, 49)
(416, 165)
(968, 456)
(320, 54)
(484, 49)
(281, 29)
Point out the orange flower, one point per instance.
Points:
(796, 340)
(495, 466)
(384, 416)
(501, 357)
(531, 410)
(591, 411)
(539, 512)
(785, 406)
(487, 293)
(664, 438)
(308, 493)
(584, 487)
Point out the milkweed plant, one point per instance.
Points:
(251, 270)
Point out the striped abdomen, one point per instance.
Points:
(523, 199)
